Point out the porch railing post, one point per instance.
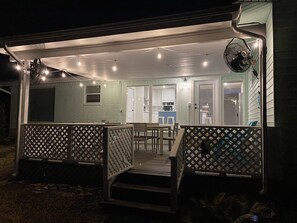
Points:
(24, 87)
(106, 190)
(69, 143)
(173, 199)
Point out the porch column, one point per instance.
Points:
(24, 87)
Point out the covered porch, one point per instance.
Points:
(93, 74)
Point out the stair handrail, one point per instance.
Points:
(177, 158)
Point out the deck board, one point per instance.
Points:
(148, 162)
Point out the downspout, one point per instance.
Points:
(263, 117)
(20, 108)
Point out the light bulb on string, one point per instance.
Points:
(46, 71)
(159, 55)
(205, 61)
(78, 62)
(18, 67)
(81, 84)
(94, 82)
(43, 78)
(63, 75)
(114, 67)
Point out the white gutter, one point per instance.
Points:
(263, 117)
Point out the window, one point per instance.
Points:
(93, 94)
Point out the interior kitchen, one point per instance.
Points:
(161, 107)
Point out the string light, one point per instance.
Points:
(205, 63)
(63, 75)
(81, 84)
(78, 61)
(114, 67)
(18, 67)
(256, 44)
(94, 82)
(159, 55)
(46, 71)
(43, 78)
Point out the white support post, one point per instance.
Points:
(24, 88)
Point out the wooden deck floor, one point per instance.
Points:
(147, 162)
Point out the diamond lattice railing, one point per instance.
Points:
(223, 149)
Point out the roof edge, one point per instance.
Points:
(169, 21)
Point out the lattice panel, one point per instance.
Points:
(120, 150)
(180, 159)
(45, 141)
(87, 143)
(234, 150)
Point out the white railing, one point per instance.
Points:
(118, 154)
(177, 158)
(225, 150)
(59, 142)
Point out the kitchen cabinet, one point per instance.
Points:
(168, 94)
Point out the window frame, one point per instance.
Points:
(86, 94)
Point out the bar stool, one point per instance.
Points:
(170, 120)
(161, 120)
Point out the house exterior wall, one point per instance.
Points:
(285, 82)
(270, 72)
(70, 106)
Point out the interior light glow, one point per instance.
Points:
(225, 83)
(78, 63)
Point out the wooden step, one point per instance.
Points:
(149, 172)
(141, 187)
(139, 205)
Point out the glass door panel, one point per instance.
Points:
(137, 108)
(233, 106)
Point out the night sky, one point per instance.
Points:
(30, 16)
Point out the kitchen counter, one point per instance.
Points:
(166, 114)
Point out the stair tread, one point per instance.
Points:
(139, 205)
(149, 172)
(141, 187)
